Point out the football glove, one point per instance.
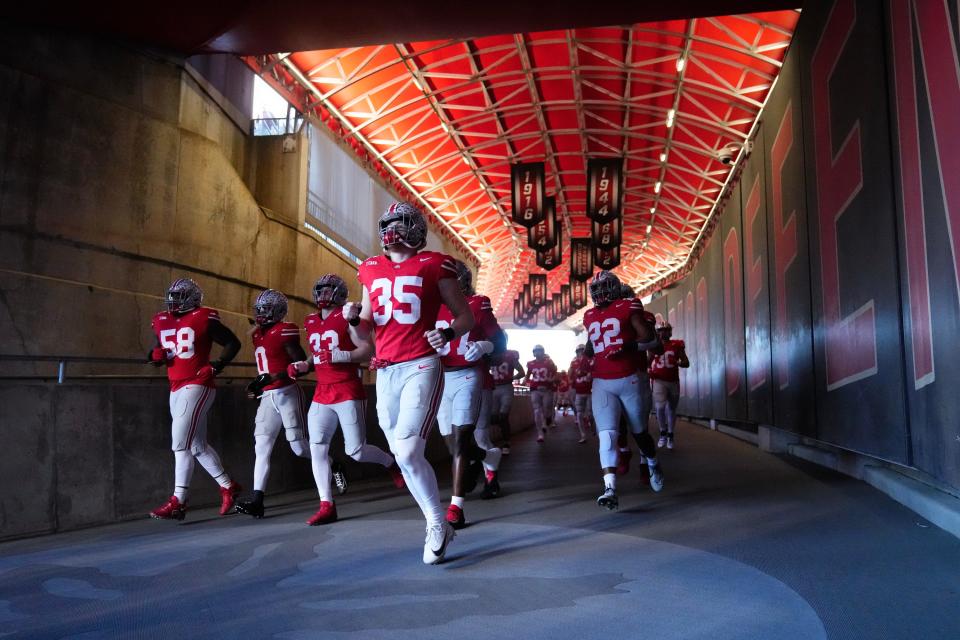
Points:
(255, 388)
(217, 366)
(297, 369)
(478, 349)
(377, 363)
(157, 356)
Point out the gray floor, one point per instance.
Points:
(740, 544)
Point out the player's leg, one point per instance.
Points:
(536, 402)
(503, 396)
(673, 399)
(290, 402)
(606, 408)
(175, 508)
(353, 423)
(267, 425)
(461, 390)
(321, 425)
(491, 453)
(209, 459)
(630, 396)
(579, 409)
(660, 397)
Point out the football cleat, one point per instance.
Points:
(661, 442)
(505, 450)
(252, 504)
(397, 476)
(228, 496)
(609, 500)
(170, 510)
(326, 514)
(339, 479)
(540, 438)
(491, 488)
(435, 546)
(581, 440)
(455, 517)
(656, 478)
(670, 441)
(623, 461)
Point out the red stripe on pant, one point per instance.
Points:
(302, 412)
(195, 419)
(433, 407)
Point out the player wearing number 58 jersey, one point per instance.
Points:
(402, 293)
(275, 345)
(617, 332)
(185, 334)
(666, 382)
(339, 398)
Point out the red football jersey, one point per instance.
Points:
(503, 372)
(540, 373)
(581, 374)
(270, 353)
(664, 365)
(336, 382)
(187, 342)
(405, 301)
(453, 354)
(608, 328)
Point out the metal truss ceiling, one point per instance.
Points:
(448, 118)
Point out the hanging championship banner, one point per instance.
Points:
(526, 303)
(551, 259)
(578, 294)
(557, 304)
(606, 259)
(581, 259)
(538, 289)
(543, 235)
(531, 321)
(566, 308)
(527, 187)
(548, 315)
(604, 188)
(517, 312)
(606, 234)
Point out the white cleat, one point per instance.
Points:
(609, 500)
(435, 546)
(661, 442)
(669, 442)
(656, 478)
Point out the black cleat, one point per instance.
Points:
(471, 476)
(251, 504)
(491, 489)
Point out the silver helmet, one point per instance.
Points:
(464, 277)
(405, 224)
(270, 307)
(604, 288)
(183, 295)
(330, 291)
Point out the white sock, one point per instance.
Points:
(263, 447)
(421, 480)
(610, 481)
(320, 461)
(183, 464)
(651, 462)
(210, 461)
(457, 501)
(492, 460)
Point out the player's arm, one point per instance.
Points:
(652, 341)
(226, 339)
(463, 319)
(588, 349)
(157, 356)
(521, 374)
(364, 346)
(359, 317)
(682, 360)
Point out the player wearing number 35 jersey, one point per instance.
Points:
(185, 333)
(617, 333)
(402, 294)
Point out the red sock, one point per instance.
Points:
(491, 475)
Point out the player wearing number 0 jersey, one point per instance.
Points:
(339, 397)
(540, 374)
(617, 331)
(581, 378)
(402, 294)
(502, 370)
(464, 360)
(185, 334)
(666, 382)
(275, 345)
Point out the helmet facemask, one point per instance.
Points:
(330, 291)
(269, 308)
(183, 295)
(403, 224)
(605, 288)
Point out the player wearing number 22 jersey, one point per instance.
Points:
(402, 294)
(616, 330)
(185, 334)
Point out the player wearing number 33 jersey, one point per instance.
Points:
(402, 294)
(185, 334)
(617, 331)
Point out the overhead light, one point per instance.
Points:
(670, 116)
(680, 63)
(663, 157)
(649, 228)
(656, 187)
(653, 209)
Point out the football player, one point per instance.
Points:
(462, 386)
(617, 332)
(402, 293)
(666, 382)
(275, 345)
(581, 376)
(502, 370)
(339, 398)
(541, 372)
(185, 333)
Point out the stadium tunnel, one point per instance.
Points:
(777, 180)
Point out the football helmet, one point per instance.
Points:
(605, 288)
(626, 291)
(270, 307)
(405, 224)
(183, 295)
(665, 330)
(330, 291)
(580, 350)
(538, 351)
(464, 277)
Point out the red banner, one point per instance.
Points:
(606, 259)
(581, 259)
(543, 235)
(604, 188)
(566, 308)
(551, 259)
(606, 235)
(527, 187)
(578, 294)
(538, 289)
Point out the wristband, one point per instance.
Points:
(448, 334)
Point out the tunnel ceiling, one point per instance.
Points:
(445, 119)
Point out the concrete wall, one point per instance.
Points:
(87, 453)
